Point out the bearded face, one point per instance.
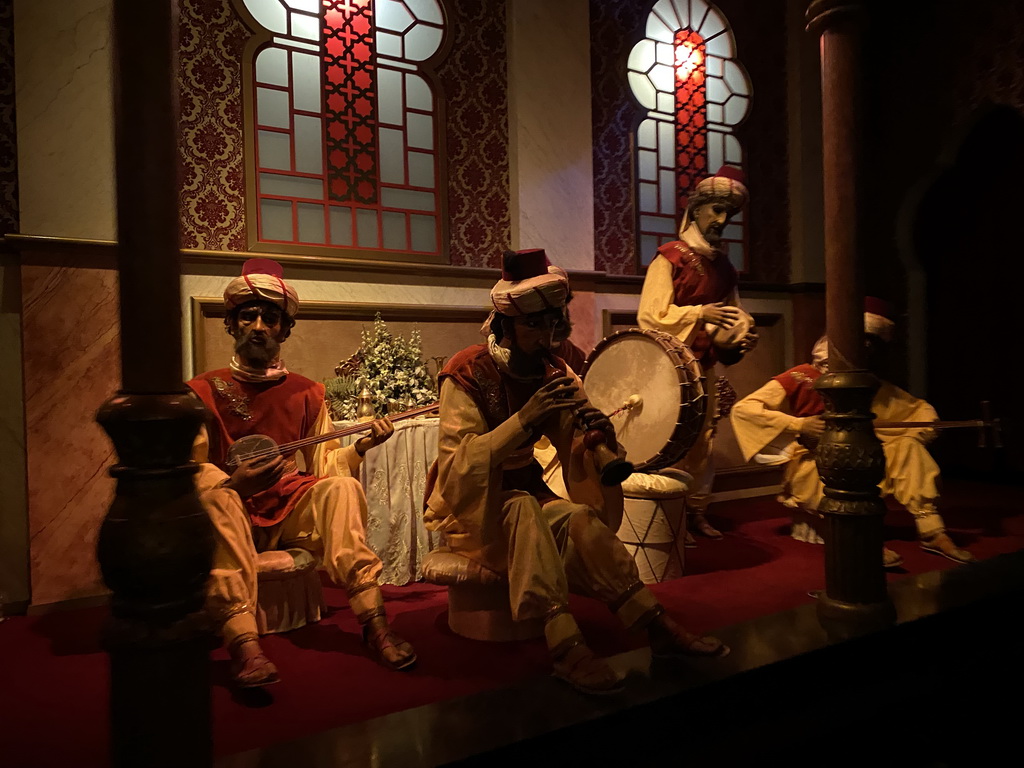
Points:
(258, 333)
(711, 219)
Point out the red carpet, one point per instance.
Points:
(53, 675)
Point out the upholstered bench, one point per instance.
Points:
(653, 525)
(287, 600)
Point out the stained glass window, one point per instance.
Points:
(685, 73)
(345, 125)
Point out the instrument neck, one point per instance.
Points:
(286, 448)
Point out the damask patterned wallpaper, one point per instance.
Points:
(8, 127)
(211, 148)
(759, 27)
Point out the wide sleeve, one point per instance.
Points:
(760, 418)
(893, 404)
(657, 310)
(209, 475)
(330, 458)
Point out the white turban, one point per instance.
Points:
(726, 187)
(529, 284)
(262, 280)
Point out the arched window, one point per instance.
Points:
(345, 131)
(684, 72)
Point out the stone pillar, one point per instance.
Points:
(849, 457)
(155, 545)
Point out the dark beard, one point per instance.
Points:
(257, 355)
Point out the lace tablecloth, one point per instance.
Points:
(394, 476)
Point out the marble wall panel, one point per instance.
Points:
(65, 118)
(71, 364)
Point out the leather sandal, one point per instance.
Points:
(669, 640)
(387, 648)
(941, 544)
(703, 527)
(253, 671)
(891, 559)
(574, 663)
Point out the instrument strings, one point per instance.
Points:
(297, 444)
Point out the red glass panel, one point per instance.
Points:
(691, 113)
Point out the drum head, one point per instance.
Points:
(663, 372)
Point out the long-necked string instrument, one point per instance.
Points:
(613, 468)
(257, 447)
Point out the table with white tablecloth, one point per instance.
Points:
(394, 476)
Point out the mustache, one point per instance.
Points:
(258, 346)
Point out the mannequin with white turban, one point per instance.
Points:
(488, 496)
(778, 422)
(690, 291)
(290, 516)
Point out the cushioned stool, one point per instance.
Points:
(478, 604)
(654, 522)
(288, 600)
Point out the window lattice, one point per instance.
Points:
(684, 72)
(346, 127)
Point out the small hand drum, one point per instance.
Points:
(659, 368)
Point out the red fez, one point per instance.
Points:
(522, 265)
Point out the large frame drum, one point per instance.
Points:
(659, 368)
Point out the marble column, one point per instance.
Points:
(849, 456)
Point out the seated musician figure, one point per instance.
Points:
(489, 499)
(783, 418)
(268, 504)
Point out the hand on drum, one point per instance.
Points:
(749, 341)
(256, 475)
(380, 430)
(720, 314)
(556, 395)
(812, 426)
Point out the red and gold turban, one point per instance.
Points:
(261, 280)
(878, 318)
(529, 283)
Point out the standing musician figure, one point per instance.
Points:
(489, 498)
(783, 418)
(267, 505)
(690, 292)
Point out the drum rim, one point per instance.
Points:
(670, 344)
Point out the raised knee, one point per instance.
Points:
(342, 484)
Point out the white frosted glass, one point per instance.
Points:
(648, 248)
(391, 15)
(421, 130)
(424, 233)
(712, 24)
(426, 10)
(647, 162)
(733, 150)
(389, 44)
(716, 90)
(421, 169)
(643, 89)
(276, 220)
(269, 13)
(736, 256)
(664, 77)
(392, 156)
(366, 229)
(656, 30)
(667, 183)
(736, 109)
(275, 150)
(715, 113)
(272, 67)
(738, 216)
(422, 42)
(291, 186)
(389, 96)
(308, 92)
(662, 224)
(713, 66)
(648, 197)
(417, 92)
(309, 6)
(306, 28)
(272, 108)
(341, 225)
(721, 45)
(393, 224)
(407, 199)
(642, 56)
(309, 144)
(666, 144)
(736, 79)
(311, 223)
(667, 103)
(682, 8)
(665, 54)
(715, 150)
(646, 134)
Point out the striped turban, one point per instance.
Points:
(529, 283)
(727, 187)
(261, 280)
